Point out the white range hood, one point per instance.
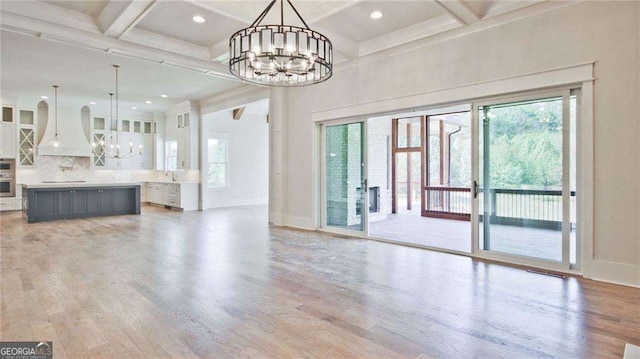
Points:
(72, 133)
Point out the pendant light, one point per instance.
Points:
(55, 143)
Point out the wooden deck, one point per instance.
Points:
(224, 284)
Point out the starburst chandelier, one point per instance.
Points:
(280, 55)
(113, 150)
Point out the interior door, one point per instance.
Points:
(524, 179)
(344, 184)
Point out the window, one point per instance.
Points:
(172, 155)
(217, 158)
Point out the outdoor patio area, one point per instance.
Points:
(410, 227)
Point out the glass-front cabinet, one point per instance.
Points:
(26, 137)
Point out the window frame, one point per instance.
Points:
(226, 138)
(168, 155)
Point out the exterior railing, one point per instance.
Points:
(448, 202)
(525, 207)
(516, 207)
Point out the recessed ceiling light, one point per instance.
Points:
(199, 19)
(134, 108)
(164, 96)
(147, 102)
(92, 103)
(376, 15)
(44, 97)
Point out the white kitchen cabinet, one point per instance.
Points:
(147, 153)
(187, 140)
(154, 193)
(8, 132)
(7, 140)
(26, 129)
(176, 195)
(8, 204)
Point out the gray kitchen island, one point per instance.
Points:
(51, 201)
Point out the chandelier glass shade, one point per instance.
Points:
(280, 55)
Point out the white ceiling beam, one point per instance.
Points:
(341, 45)
(119, 17)
(219, 52)
(51, 13)
(459, 10)
(407, 34)
(98, 41)
(163, 42)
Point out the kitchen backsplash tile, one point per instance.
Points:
(60, 168)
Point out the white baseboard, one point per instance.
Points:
(612, 272)
(300, 222)
(240, 202)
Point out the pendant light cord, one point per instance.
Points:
(111, 118)
(56, 99)
(117, 134)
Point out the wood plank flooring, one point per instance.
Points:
(225, 284)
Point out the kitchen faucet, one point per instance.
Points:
(173, 175)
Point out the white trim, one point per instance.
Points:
(566, 179)
(586, 181)
(467, 92)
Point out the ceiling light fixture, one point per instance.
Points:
(199, 19)
(44, 97)
(134, 108)
(92, 103)
(376, 15)
(148, 102)
(280, 55)
(99, 149)
(164, 96)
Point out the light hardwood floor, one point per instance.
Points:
(223, 283)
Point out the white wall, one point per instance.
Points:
(604, 32)
(248, 166)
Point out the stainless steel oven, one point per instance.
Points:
(7, 177)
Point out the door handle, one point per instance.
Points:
(475, 189)
(366, 185)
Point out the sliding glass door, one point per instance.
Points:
(344, 187)
(524, 184)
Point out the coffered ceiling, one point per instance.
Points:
(163, 32)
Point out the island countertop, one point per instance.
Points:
(76, 185)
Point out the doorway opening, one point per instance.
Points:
(235, 152)
(495, 178)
